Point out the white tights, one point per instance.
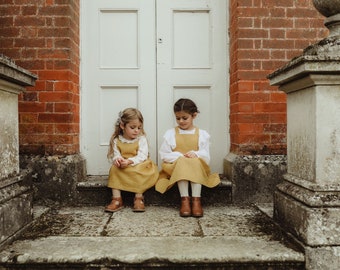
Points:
(116, 193)
(183, 187)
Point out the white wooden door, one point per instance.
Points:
(118, 71)
(147, 54)
(191, 63)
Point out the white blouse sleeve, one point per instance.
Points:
(116, 152)
(143, 151)
(203, 146)
(166, 150)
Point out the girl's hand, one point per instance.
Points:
(118, 162)
(190, 154)
(124, 163)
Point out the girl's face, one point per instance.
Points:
(132, 129)
(185, 120)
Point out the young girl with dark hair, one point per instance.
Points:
(185, 156)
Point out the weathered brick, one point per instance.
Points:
(63, 75)
(29, 42)
(63, 107)
(29, 10)
(28, 117)
(278, 34)
(245, 107)
(67, 128)
(55, 96)
(278, 96)
(9, 32)
(277, 23)
(28, 129)
(55, 118)
(32, 107)
(33, 21)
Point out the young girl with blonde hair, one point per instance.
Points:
(132, 170)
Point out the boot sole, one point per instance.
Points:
(138, 210)
(185, 214)
(112, 211)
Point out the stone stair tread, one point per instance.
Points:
(132, 250)
(230, 235)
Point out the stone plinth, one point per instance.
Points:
(9, 156)
(15, 198)
(307, 202)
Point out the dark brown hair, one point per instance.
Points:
(186, 105)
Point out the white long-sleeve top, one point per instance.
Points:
(143, 149)
(169, 143)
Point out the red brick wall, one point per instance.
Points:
(43, 36)
(264, 35)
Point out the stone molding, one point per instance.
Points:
(10, 72)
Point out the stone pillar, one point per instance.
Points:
(15, 198)
(307, 203)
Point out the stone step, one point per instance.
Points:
(94, 191)
(226, 237)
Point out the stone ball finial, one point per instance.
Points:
(327, 7)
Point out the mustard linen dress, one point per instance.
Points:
(192, 169)
(137, 178)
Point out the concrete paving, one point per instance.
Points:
(88, 235)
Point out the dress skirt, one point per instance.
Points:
(137, 179)
(192, 169)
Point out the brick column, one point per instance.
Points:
(263, 36)
(43, 37)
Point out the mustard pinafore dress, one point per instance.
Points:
(192, 169)
(138, 178)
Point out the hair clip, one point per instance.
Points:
(119, 119)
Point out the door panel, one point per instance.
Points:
(147, 54)
(191, 63)
(118, 71)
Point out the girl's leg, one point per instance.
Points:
(116, 193)
(195, 189)
(138, 205)
(139, 195)
(197, 210)
(183, 187)
(116, 203)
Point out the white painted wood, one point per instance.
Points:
(120, 41)
(118, 71)
(192, 63)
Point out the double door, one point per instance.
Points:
(147, 54)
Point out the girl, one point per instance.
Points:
(185, 156)
(132, 170)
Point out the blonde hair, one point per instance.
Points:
(124, 117)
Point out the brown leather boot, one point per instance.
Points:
(185, 207)
(197, 210)
(115, 205)
(138, 205)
